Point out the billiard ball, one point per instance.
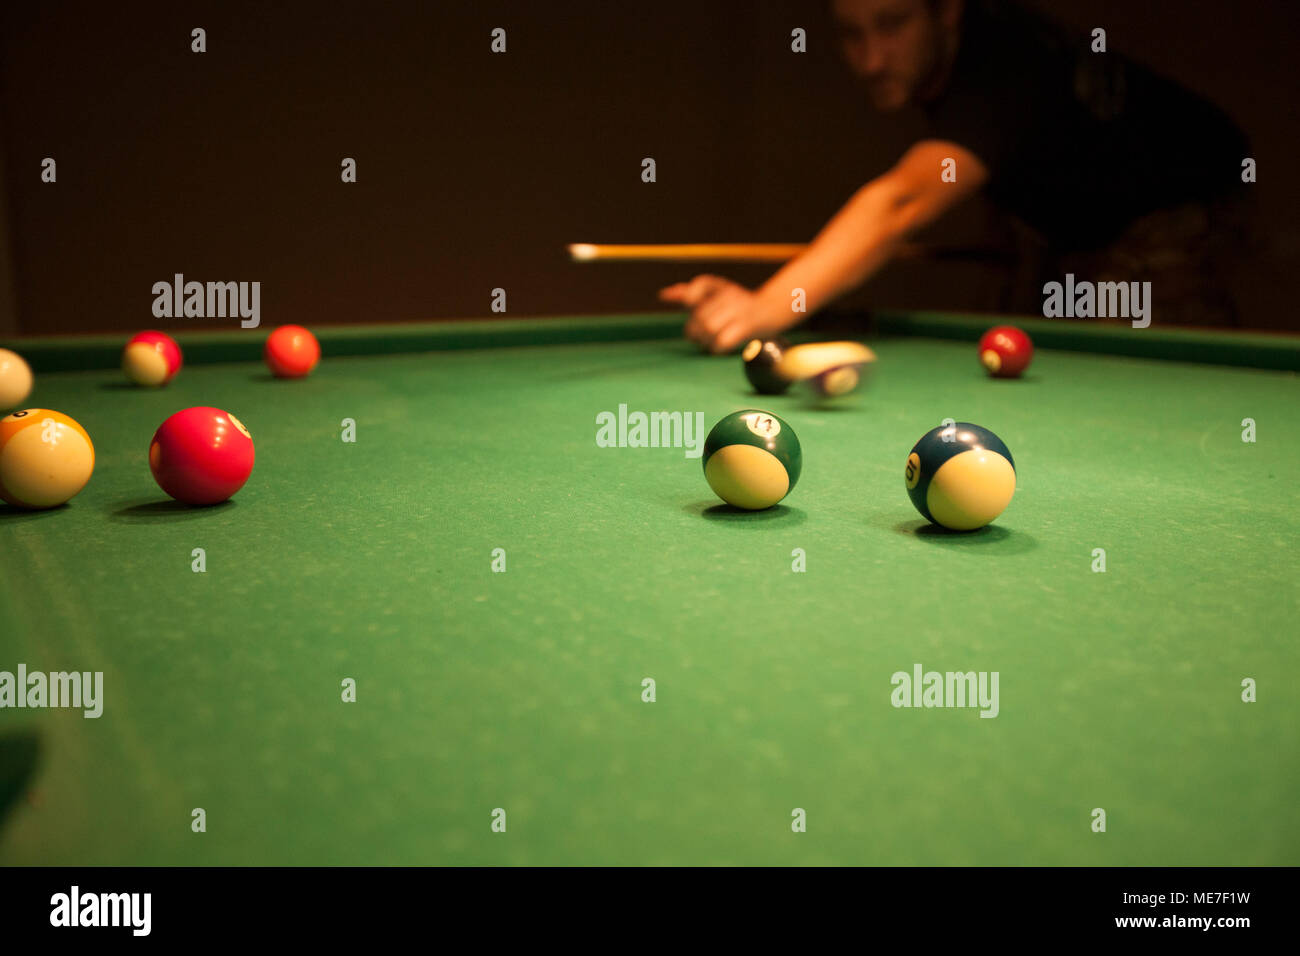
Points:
(15, 379)
(201, 456)
(151, 358)
(752, 459)
(45, 458)
(762, 357)
(960, 476)
(291, 352)
(1005, 351)
(830, 368)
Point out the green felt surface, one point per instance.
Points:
(522, 690)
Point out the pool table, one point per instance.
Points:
(562, 653)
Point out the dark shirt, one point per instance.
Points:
(1078, 144)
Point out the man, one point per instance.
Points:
(1121, 174)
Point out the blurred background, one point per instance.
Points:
(475, 170)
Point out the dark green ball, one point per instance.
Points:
(752, 459)
(960, 476)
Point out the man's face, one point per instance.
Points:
(892, 45)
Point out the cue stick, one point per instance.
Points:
(751, 252)
(687, 252)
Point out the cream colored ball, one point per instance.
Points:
(15, 379)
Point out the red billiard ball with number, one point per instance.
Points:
(291, 352)
(1005, 351)
(201, 456)
(151, 358)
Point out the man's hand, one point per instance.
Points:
(860, 238)
(724, 315)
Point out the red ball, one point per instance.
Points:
(1005, 351)
(292, 352)
(201, 456)
(151, 358)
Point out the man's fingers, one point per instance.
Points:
(712, 313)
(693, 292)
(697, 330)
(730, 336)
(703, 286)
(715, 304)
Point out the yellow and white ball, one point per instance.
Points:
(832, 369)
(46, 458)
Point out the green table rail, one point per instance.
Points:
(1247, 349)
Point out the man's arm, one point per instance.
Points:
(851, 247)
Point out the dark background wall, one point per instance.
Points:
(475, 169)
